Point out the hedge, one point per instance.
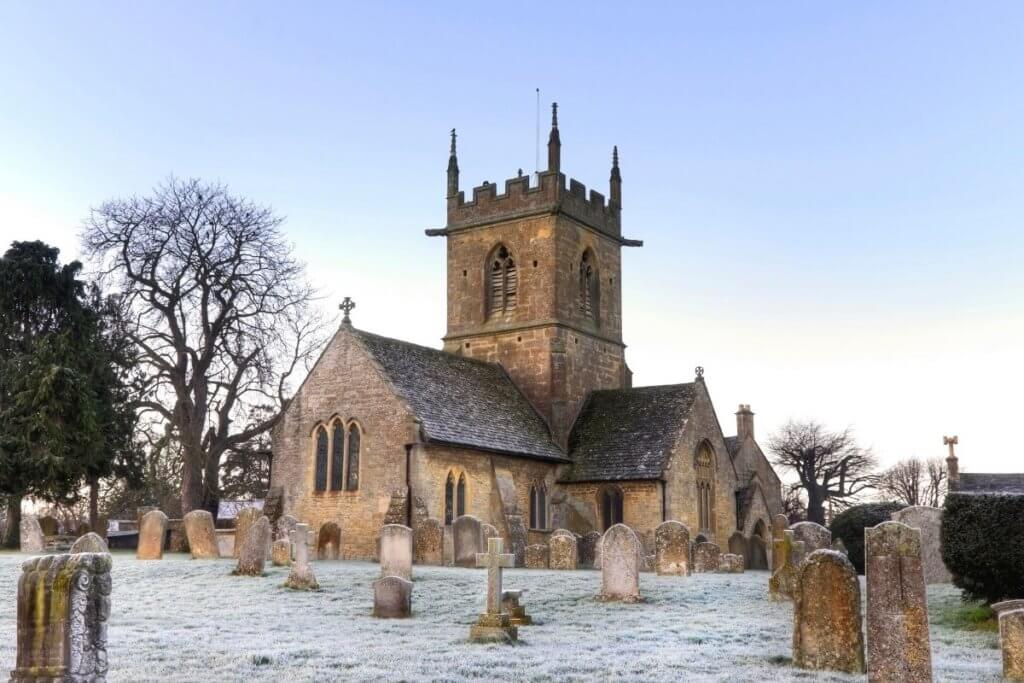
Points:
(849, 525)
(983, 545)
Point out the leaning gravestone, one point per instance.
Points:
(32, 539)
(826, 615)
(89, 543)
(243, 523)
(620, 564)
(253, 555)
(392, 596)
(469, 540)
(1011, 637)
(929, 521)
(563, 551)
(707, 557)
(396, 551)
(202, 537)
(537, 556)
(588, 549)
(301, 576)
(814, 536)
(672, 549)
(63, 607)
(899, 648)
(789, 553)
(152, 533)
(428, 542)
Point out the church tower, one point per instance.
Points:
(534, 283)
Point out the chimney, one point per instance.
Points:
(744, 422)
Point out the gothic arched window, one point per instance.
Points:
(320, 484)
(502, 281)
(610, 500)
(589, 286)
(704, 464)
(460, 497)
(449, 499)
(337, 455)
(538, 507)
(352, 482)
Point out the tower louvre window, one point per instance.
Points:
(589, 286)
(503, 281)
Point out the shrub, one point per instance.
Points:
(983, 545)
(849, 525)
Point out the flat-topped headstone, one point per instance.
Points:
(672, 549)
(428, 542)
(63, 608)
(31, 535)
(201, 534)
(301, 576)
(588, 549)
(246, 517)
(620, 564)
(563, 551)
(494, 625)
(281, 553)
(707, 557)
(89, 543)
(814, 536)
(537, 556)
(253, 556)
(826, 615)
(152, 533)
(1011, 637)
(328, 542)
(468, 540)
(392, 598)
(788, 553)
(396, 551)
(899, 648)
(731, 563)
(510, 605)
(928, 520)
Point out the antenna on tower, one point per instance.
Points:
(536, 158)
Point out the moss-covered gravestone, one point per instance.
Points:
(826, 615)
(786, 555)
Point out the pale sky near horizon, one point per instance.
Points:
(829, 194)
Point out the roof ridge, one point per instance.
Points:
(448, 354)
(649, 386)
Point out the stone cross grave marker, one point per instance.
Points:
(494, 625)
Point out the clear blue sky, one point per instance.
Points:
(829, 194)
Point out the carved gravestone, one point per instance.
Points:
(284, 528)
(152, 532)
(826, 615)
(301, 576)
(468, 540)
(706, 557)
(814, 536)
(928, 521)
(780, 523)
(396, 551)
(537, 556)
(243, 523)
(392, 595)
(620, 564)
(494, 625)
(202, 537)
(89, 543)
(428, 542)
(281, 553)
(253, 555)
(588, 549)
(563, 552)
(1011, 637)
(731, 564)
(737, 544)
(789, 553)
(899, 648)
(672, 549)
(49, 525)
(516, 538)
(32, 539)
(328, 542)
(63, 607)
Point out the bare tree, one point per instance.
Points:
(915, 482)
(219, 309)
(830, 466)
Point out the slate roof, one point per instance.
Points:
(461, 401)
(628, 434)
(732, 444)
(977, 482)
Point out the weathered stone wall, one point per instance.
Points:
(641, 508)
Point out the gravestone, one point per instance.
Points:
(899, 648)
(253, 555)
(392, 596)
(537, 556)
(273, 507)
(826, 615)
(620, 564)
(281, 553)
(301, 576)
(49, 525)
(494, 625)
(284, 527)
(488, 531)
(1011, 637)
(517, 615)
(929, 521)
(737, 544)
(707, 557)
(396, 551)
(468, 540)
(328, 542)
(789, 553)
(152, 532)
(814, 536)
(672, 549)
(588, 549)
(516, 538)
(89, 543)
(731, 563)
(243, 523)
(840, 547)
(563, 552)
(31, 535)
(428, 542)
(780, 523)
(202, 537)
(63, 608)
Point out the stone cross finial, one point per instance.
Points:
(301, 536)
(699, 371)
(494, 560)
(346, 306)
(951, 441)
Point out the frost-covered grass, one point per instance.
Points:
(184, 620)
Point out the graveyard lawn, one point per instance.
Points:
(188, 620)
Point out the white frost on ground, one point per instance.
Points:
(184, 620)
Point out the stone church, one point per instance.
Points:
(527, 419)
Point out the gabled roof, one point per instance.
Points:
(460, 401)
(628, 434)
(978, 482)
(732, 444)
